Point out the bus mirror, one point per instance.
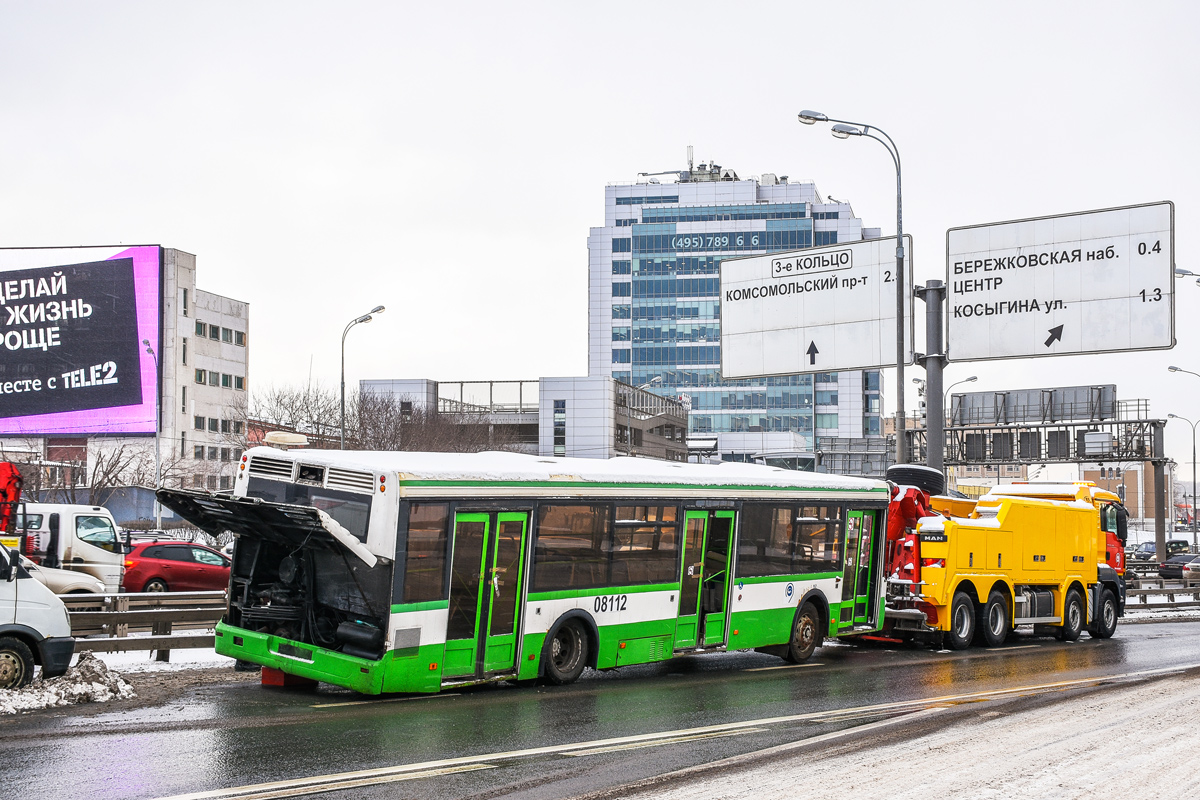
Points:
(1122, 525)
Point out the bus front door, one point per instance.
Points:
(485, 592)
(688, 623)
(714, 592)
(859, 578)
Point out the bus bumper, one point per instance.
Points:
(296, 658)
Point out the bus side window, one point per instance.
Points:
(425, 564)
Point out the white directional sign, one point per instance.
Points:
(1093, 282)
(822, 309)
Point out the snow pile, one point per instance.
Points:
(89, 681)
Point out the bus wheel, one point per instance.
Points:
(994, 622)
(1105, 623)
(962, 622)
(1072, 617)
(566, 654)
(806, 634)
(16, 663)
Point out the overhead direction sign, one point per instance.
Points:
(1093, 282)
(823, 309)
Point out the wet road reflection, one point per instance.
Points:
(242, 734)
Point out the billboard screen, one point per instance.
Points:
(72, 322)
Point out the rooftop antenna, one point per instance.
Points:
(689, 158)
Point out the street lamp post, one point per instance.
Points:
(157, 437)
(844, 129)
(946, 394)
(1193, 424)
(364, 318)
(629, 413)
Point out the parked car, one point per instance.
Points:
(1173, 566)
(64, 581)
(166, 566)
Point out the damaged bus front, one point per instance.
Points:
(308, 594)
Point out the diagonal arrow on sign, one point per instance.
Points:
(812, 352)
(1055, 335)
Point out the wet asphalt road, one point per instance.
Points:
(230, 736)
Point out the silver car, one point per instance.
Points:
(63, 581)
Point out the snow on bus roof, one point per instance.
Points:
(520, 467)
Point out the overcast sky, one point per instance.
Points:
(448, 160)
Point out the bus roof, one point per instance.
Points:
(500, 467)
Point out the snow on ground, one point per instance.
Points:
(1131, 742)
(145, 660)
(90, 680)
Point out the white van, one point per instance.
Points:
(75, 537)
(35, 628)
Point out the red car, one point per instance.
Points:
(175, 567)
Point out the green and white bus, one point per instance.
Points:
(415, 572)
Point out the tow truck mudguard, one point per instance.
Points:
(55, 654)
(1109, 577)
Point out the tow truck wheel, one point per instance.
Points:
(1105, 623)
(962, 622)
(1072, 624)
(994, 619)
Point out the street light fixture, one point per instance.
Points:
(364, 318)
(629, 413)
(1193, 424)
(157, 438)
(946, 394)
(844, 129)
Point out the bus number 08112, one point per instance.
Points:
(606, 603)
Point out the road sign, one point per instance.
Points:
(822, 309)
(1093, 282)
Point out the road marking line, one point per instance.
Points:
(386, 700)
(785, 666)
(301, 789)
(673, 740)
(314, 784)
(1003, 649)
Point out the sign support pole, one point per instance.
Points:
(934, 293)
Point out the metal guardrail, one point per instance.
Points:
(1160, 587)
(102, 623)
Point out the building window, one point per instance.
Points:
(214, 378)
(198, 481)
(199, 423)
(227, 335)
(224, 453)
(622, 312)
(183, 402)
(239, 382)
(622, 267)
(201, 329)
(620, 356)
(182, 445)
(622, 289)
(212, 481)
(183, 350)
(224, 481)
(827, 421)
(560, 427)
(212, 454)
(201, 376)
(622, 245)
(185, 306)
(237, 427)
(199, 452)
(214, 332)
(212, 424)
(226, 380)
(239, 338)
(622, 334)
(224, 426)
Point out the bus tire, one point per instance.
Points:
(995, 620)
(566, 653)
(1072, 624)
(962, 622)
(1105, 623)
(806, 634)
(16, 663)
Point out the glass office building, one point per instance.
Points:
(654, 306)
